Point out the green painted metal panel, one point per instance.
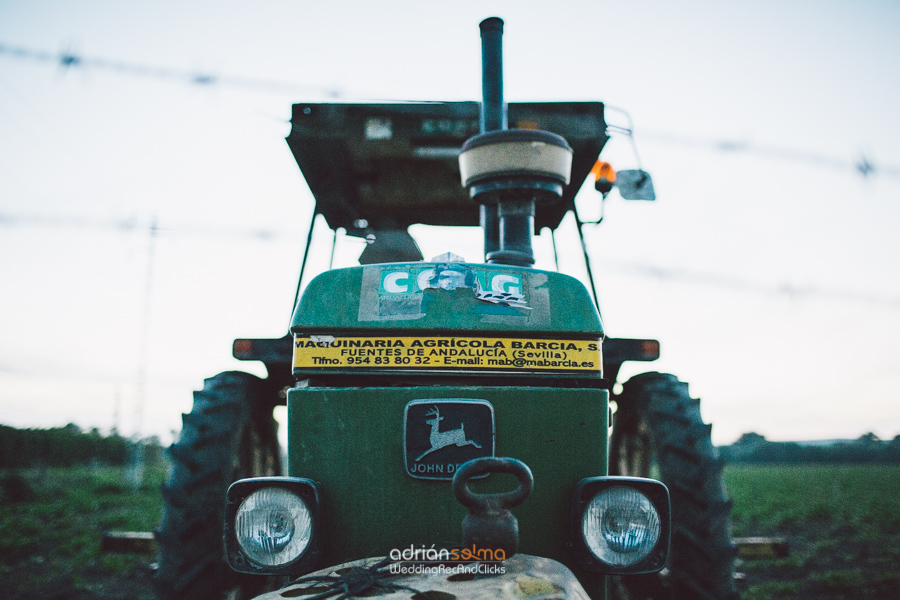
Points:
(439, 297)
(350, 440)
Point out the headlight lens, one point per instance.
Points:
(273, 526)
(620, 526)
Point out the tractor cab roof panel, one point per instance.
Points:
(389, 166)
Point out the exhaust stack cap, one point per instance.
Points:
(515, 153)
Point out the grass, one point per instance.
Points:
(842, 524)
(51, 528)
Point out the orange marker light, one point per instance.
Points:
(242, 348)
(604, 177)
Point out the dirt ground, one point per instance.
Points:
(43, 582)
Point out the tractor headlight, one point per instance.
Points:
(272, 525)
(621, 524)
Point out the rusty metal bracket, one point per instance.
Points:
(128, 542)
(761, 547)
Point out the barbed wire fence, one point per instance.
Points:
(68, 59)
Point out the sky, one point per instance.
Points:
(767, 267)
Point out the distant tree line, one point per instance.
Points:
(65, 446)
(753, 448)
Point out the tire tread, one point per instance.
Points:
(204, 462)
(702, 555)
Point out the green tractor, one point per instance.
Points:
(450, 432)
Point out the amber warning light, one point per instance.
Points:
(242, 349)
(604, 177)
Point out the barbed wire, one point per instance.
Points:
(862, 165)
(661, 274)
(718, 280)
(132, 224)
(69, 60)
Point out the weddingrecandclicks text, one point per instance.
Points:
(475, 568)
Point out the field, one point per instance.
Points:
(51, 523)
(842, 524)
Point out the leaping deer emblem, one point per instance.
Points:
(442, 439)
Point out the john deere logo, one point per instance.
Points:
(440, 435)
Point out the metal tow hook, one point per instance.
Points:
(489, 524)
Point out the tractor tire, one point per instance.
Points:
(658, 426)
(229, 434)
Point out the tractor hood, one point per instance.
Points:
(451, 296)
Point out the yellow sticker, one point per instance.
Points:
(440, 352)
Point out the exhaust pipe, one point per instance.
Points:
(493, 109)
(493, 113)
(509, 171)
